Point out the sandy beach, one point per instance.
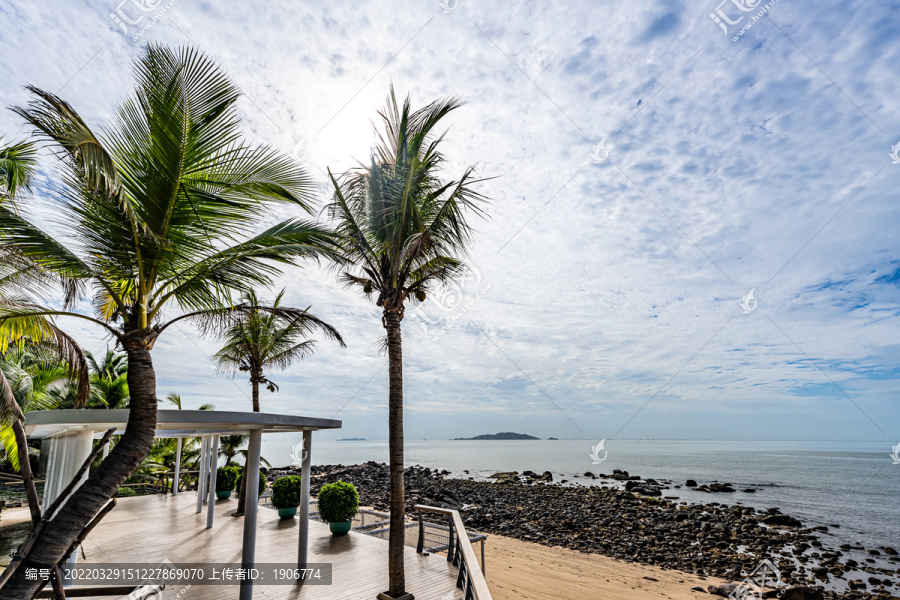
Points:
(525, 570)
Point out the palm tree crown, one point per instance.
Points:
(268, 338)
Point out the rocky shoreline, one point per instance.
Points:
(632, 522)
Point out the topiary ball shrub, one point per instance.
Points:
(226, 478)
(287, 491)
(338, 502)
(262, 483)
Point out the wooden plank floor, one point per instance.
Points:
(151, 529)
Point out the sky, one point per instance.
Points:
(693, 222)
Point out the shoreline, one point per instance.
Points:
(711, 539)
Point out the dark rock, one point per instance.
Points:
(723, 590)
(779, 520)
(720, 487)
(690, 483)
(798, 592)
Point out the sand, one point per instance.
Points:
(524, 570)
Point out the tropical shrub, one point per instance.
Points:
(338, 502)
(287, 491)
(126, 491)
(226, 478)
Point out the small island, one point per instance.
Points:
(552, 438)
(352, 440)
(505, 435)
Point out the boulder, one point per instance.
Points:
(779, 520)
(720, 487)
(799, 592)
(546, 476)
(690, 483)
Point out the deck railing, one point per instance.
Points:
(459, 552)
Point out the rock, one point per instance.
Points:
(780, 520)
(799, 592)
(723, 590)
(589, 474)
(720, 487)
(690, 483)
(547, 476)
(697, 588)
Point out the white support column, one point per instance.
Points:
(213, 461)
(303, 542)
(248, 552)
(106, 449)
(177, 467)
(201, 475)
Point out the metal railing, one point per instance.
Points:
(459, 552)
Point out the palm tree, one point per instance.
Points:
(230, 446)
(164, 207)
(257, 342)
(402, 230)
(17, 165)
(33, 373)
(109, 379)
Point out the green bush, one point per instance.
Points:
(226, 478)
(287, 491)
(338, 502)
(262, 483)
(126, 491)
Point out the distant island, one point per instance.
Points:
(352, 440)
(506, 435)
(553, 439)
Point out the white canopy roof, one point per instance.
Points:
(169, 423)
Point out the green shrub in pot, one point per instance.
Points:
(286, 495)
(338, 504)
(226, 479)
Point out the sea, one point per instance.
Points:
(853, 488)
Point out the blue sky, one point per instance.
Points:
(606, 295)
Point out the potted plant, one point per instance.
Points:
(226, 479)
(338, 504)
(286, 495)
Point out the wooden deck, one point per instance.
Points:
(151, 529)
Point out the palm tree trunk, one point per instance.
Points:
(254, 381)
(242, 493)
(34, 504)
(134, 445)
(396, 572)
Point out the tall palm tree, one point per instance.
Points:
(259, 341)
(158, 218)
(403, 230)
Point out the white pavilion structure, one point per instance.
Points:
(69, 435)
